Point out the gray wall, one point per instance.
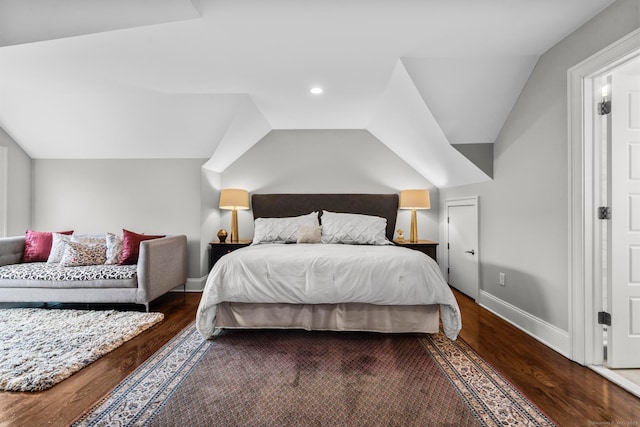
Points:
(480, 155)
(18, 187)
(98, 196)
(209, 215)
(329, 161)
(524, 210)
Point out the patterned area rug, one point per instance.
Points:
(300, 378)
(40, 347)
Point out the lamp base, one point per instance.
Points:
(234, 226)
(413, 237)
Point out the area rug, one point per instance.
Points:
(300, 378)
(41, 347)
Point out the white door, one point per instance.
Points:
(624, 339)
(462, 246)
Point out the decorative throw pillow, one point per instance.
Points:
(354, 229)
(309, 234)
(79, 254)
(96, 239)
(281, 230)
(37, 245)
(114, 248)
(131, 246)
(58, 246)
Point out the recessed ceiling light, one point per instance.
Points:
(316, 90)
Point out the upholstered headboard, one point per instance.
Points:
(283, 205)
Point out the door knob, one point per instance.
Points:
(472, 252)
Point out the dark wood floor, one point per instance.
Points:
(570, 394)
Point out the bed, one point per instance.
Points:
(377, 287)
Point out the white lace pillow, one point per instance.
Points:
(353, 229)
(78, 254)
(281, 230)
(114, 248)
(58, 245)
(309, 234)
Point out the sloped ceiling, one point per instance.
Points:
(205, 78)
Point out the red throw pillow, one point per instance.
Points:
(131, 246)
(37, 245)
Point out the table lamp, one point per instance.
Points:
(414, 199)
(234, 199)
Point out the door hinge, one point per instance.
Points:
(604, 318)
(447, 270)
(448, 246)
(447, 220)
(604, 212)
(604, 108)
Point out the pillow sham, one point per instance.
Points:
(37, 245)
(353, 229)
(281, 230)
(58, 245)
(309, 234)
(78, 254)
(131, 246)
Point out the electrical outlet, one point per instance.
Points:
(502, 279)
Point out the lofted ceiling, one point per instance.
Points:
(210, 78)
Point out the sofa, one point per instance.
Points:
(161, 266)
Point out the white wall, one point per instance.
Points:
(18, 186)
(524, 210)
(98, 196)
(326, 161)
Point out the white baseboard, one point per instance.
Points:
(546, 333)
(193, 285)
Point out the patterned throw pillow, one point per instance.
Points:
(96, 239)
(281, 230)
(353, 229)
(78, 254)
(57, 247)
(114, 248)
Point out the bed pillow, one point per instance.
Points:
(37, 245)
(281, 230)
(131, 246)
(353, 229)
(58, 245)
(78, 254)
(309, 234)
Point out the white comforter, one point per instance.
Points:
(327, 274)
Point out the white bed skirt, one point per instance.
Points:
(333, 317)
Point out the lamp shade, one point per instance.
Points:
(415, 199)
(234, 198)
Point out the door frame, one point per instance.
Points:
(465, 201)
(585, 297)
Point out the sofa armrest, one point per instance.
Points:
(162, 265)
(11, 250)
